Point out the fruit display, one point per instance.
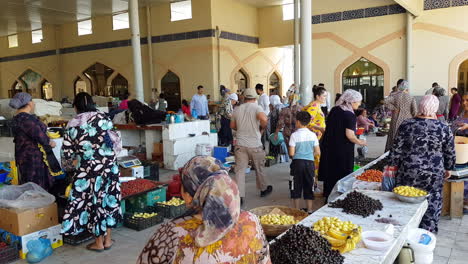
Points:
(276, 219)
(409, 191)
(53, 135)
(137, 186)
(358, 204)
(343, 236)
(371, 176)
(143, 215)
(173, 202)
(301, 244)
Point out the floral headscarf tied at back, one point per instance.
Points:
(215, 196)
(293, 95)
(349, 97)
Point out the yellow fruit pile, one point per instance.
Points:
(343, 236)
(144, 215)
(173, 202)
(53, 135)
(276, 219)
(409, 191)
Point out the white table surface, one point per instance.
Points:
(408, 215)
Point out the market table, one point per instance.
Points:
(409, 216)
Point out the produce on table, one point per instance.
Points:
(173, 202)
(137, 186)
(379, 165)
(144, 215)
(276, 219)
(301, 244)
(53, 135)
(358, 204)
(409, 191)
(371, 176)
(343, 236)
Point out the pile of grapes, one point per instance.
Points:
(302, 245)
(358, 204)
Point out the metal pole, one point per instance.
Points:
(150, 52)
(409, 49)
(297, 57)
(306, 51)
(136, 49)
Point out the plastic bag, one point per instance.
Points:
(26, 196)
(388, 181)
(38, 250)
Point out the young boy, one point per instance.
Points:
(303, 145)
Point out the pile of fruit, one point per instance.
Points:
(301, 244)
(276, 219)
(137, 186)
(143, 215)
(343, 236)
(173, 202)
(409, 191)
(53, 135)
(358, 204)
(371, 176)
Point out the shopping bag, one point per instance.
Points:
(388, 181)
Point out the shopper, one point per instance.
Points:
(403, 106)
(275, 147)
(199, 103)
(337, 150)
(455, 103)
(303, 146)
(424, 155)
(89, 154)
(363, 120)
(29, 133)
(443, 111)
(263, 100)
(431, 91)
(186, 108)
(225, 133)
(162, 103)
(382, 112)
(287, 117)
(250, 122)
(124, 103)
(215, 229)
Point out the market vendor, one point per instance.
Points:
(89, 154)
(30, 135)
(214, 230)
(424, 154)
(337, 149)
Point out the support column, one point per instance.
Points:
(306, 51)
(409, 49)
(297, 57)
(136, 49)
(150, 52)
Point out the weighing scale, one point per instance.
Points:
(128, 162)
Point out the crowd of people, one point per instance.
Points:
(216, 229)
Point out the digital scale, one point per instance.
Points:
(128, 162)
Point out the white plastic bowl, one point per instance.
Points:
(377, 240)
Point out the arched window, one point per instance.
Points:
(98, 74)
(46, 90)
(80, 86)
(241, 80)
(367, 78)
(463, 78)
(119, 86)
(275, 85)
(30, 82)
(170, 87)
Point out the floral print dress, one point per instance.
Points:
(422, 152)
(174, 243)
(94, 201)
(318, 119)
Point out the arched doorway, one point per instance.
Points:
(17, 87)
(80, 86)
(241, 80)
(367, 78)
(275, 85)
(30, 82)
(170, 87)
(463, 78)
(46, 90)
(98, 74)
(119, 86)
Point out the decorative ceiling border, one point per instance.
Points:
(438, 4)
(358, 14)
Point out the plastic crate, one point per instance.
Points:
(139, 224)
(140, 202)
(151, 170)
(170, 211)
(78, 239)
(9, 254)
(156, 196)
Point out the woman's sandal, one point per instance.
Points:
(108, 248)
(90, 248)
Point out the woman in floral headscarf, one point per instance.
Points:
(287, 117)
(337, 149)
(214, 230)
(423, 152)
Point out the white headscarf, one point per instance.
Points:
(349, 97)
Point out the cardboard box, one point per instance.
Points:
(158, 148)
(51, 233)
(26, 221)
(136, 171)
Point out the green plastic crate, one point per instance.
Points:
(136, 204)
(123, 209)
(156, 196)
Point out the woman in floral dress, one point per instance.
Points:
(214, 230)
(424, 155)
(89, 152)
(287, 117)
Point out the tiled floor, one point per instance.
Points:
(452, 241)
